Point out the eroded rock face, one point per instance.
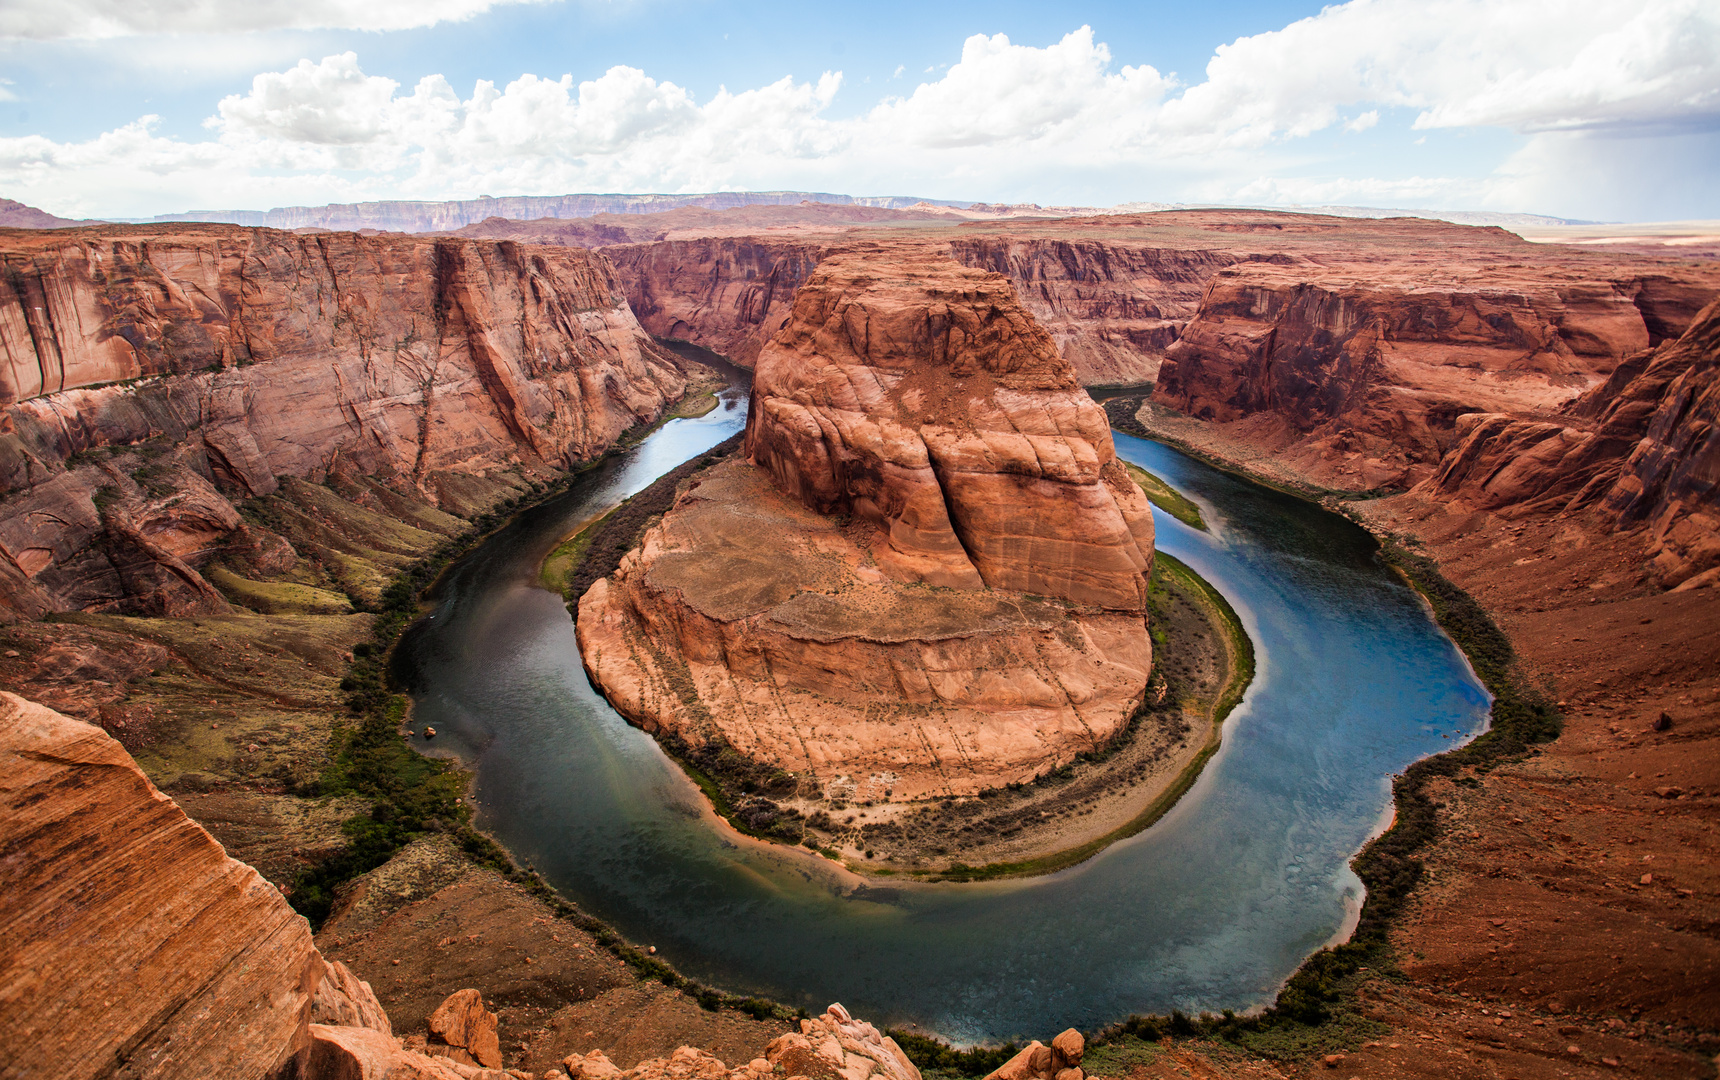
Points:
(1373, 352)
(728, 294)
(836, 1046)
(921, 397)
(1644, 446)
(134, 945)
(220, 359)
(1036, 1061)
(930, 577)
(1112, 307)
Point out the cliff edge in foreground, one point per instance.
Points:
(928, 576)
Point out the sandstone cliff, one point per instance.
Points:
(930, 577)
(152, 377)
(1644, 447)
(1340, 356)
(1112, 307)
(134, 946)
(729, 295)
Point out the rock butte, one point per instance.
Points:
(927, 577)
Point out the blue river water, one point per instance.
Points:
(1211, 908)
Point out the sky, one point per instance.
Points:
(1586, 109)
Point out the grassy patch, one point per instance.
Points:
(559, 565)
(1167, 498)
(1120, 1056)
(606, 541)
(693, 406)
(937, 1058)
(277, 597)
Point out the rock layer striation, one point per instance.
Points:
(222, 358)
(928, 577)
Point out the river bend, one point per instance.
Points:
(1211, 908)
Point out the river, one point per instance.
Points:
(1211, 908)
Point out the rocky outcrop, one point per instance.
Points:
(930, 576)
(1112, 307)
(730, 295)
(922, 398)
(1059, 1061)
(1643, 447)
(1379, 357)
(462, 1029)
(151, 377)
(834, 1046)
(345, 1000)
(134, 946)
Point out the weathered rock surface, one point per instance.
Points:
(1372, 353)
(221, 358)
(462, 1029)
(835, 1046)
(1113, 307)
(1644, 446)
(867, 600)
(729, 295)
(1059, 1061)
(134, 946)
(921, 397)
(345, 1000)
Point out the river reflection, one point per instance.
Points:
(1211, 908)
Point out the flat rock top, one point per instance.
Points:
(735, 547)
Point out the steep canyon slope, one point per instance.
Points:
(1315, 329)
(151, 378)
(928, 575)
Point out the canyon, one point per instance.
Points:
(925, 576)
(154, 378)
(220, 444)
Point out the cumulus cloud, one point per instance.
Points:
(42, 20)
(1006, 121)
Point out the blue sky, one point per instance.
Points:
(1578, 108)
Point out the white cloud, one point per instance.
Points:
(42, 20)
(1006, 122)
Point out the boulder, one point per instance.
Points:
(1036, 1061)
(593, 1066)
(361, 1053)
(462, 1029)
(1069, 1047)
(344, 1000)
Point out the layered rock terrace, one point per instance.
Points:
(928, 577)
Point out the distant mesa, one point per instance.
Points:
(16, 215)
